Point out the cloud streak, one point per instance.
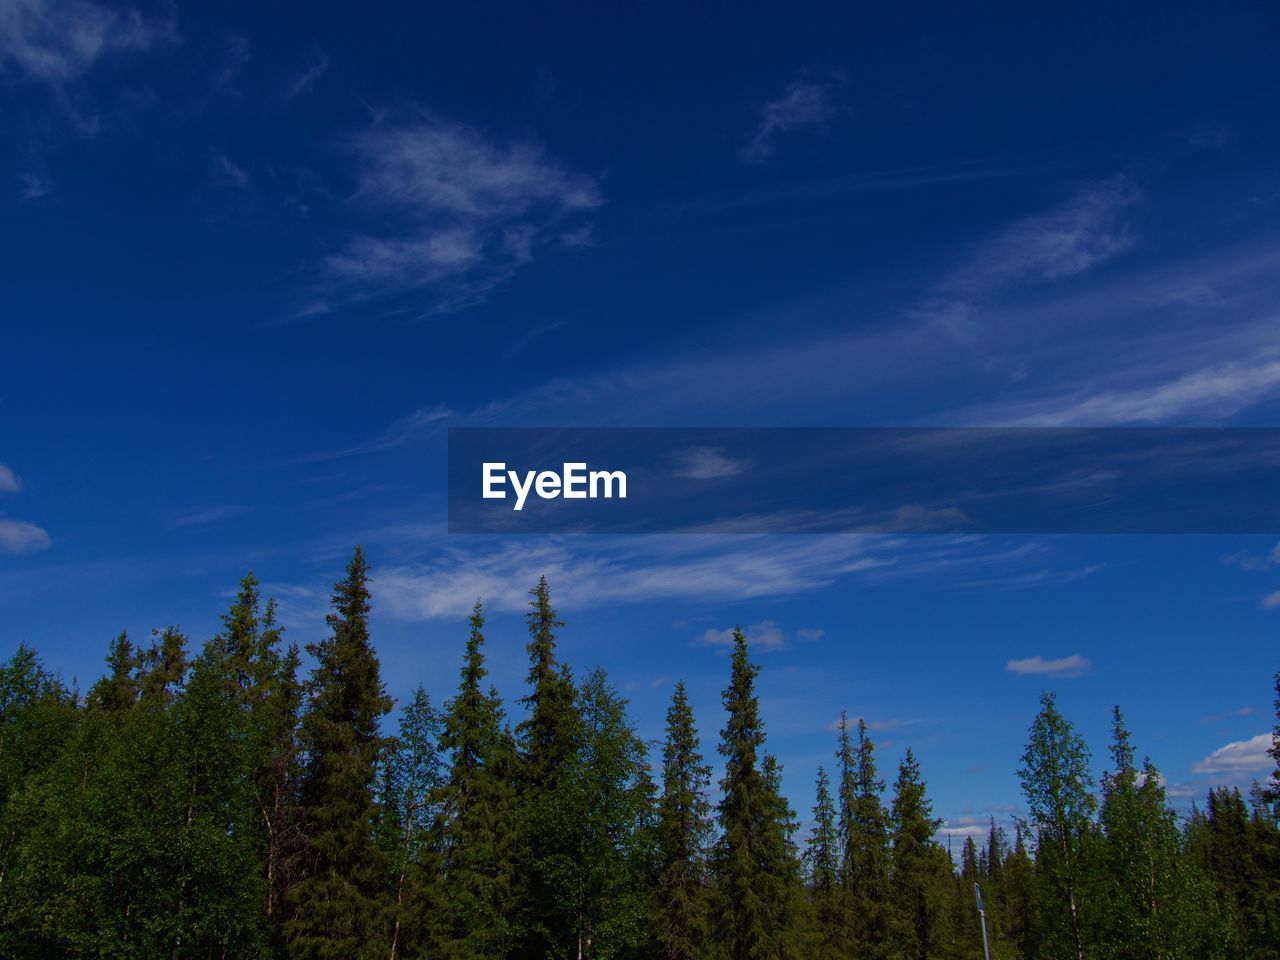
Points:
(642, 569)
(457, 213)
(803, 105)
(59, 41)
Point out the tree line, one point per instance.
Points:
(219, 804)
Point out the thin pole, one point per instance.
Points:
(982, 918)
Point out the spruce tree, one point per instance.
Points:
(476, 804)
(754, 872)
(1058, 788)
(550, 740)
(680, 914)
(920, 869)
(264, 684)
(822, 862)
(864, 828)
(1272, 794)
(1021, 904)
(338, 911)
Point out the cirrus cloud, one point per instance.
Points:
(457, 213)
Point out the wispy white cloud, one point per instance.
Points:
(1088, 228)
(228, 172)
(206, 515)
(706, 569)
(707, 463)
(395, 435)
(1064, 667)
(1219, 717)
(315, 69)
(58, 41)
(34, 184)
(1214, 392)
(806, 104)
(1248, 561)
(10, 482)
(1271, 601)
(1240, 756)
(19, 537)
(458, 212)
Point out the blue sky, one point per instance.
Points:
(256, 259)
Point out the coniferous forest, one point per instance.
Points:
(221, 802)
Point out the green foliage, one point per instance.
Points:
(920, 870)
(822, 862)
(476, 805)
(755, 870)
(864, 829)
(338, 914)
(680, 919)
(207, 804)
(1149, 901)
(1058, 788)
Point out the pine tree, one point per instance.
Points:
(1058, 788)
(864, 828)
(550, 740)
(1020, 902)
(1237, 853)
(265, 687)
(822, 861)
(680, 915)
(752, 859)
(118, 690)
(1272, 794)
(921, 870)
(338, 912)
(822, 858)
(476, 803)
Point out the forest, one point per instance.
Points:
(238, 800)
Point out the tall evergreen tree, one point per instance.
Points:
(550, 739)
(1272, 794)
(1020, 900)
(680, 914)
(822, 861)
(476, 804)
(864, 828)
(265, 687)
(755, 917)
(338, 913)
(1058, 788)
(1237, 853)
(921, 869)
